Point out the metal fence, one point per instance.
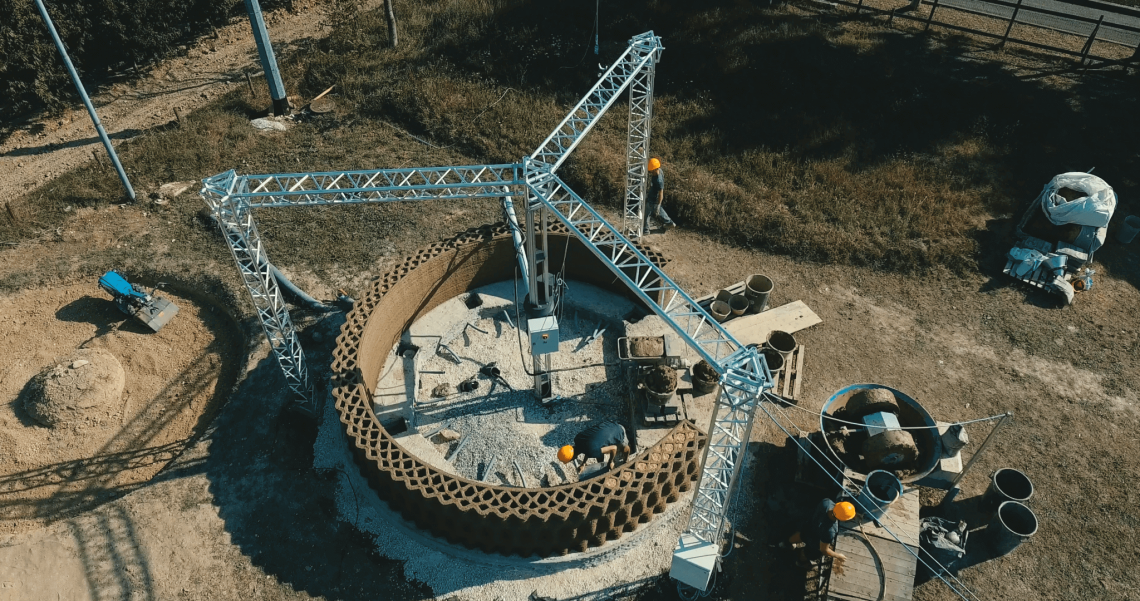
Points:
(1091, 20)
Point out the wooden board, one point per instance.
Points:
(791, 317)
(754, 328)
(875, 569)
(901, 518)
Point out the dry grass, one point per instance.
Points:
(808, 134)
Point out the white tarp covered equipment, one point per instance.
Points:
(1093, 209)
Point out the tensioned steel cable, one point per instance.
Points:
(836, 419)
(855, 499)
(889, 516)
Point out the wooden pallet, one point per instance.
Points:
(875, 569)
(789, 379)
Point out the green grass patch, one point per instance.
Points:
(801, 133)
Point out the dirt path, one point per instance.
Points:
(34, 154)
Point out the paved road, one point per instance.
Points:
(1106, 33)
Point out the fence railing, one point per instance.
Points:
(1064, 16)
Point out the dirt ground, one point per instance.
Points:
(240, 514)
(176, 380)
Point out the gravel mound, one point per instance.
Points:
(85, 387)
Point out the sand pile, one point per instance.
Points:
(85, 388)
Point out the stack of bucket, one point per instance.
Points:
(1013, 522)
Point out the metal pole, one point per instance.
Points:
(86, 100)
(1009, 28)
(969, 464)
(268, 60)
(1092, 38)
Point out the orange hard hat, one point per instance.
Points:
(566, 454)
(844, 511)
(654, 164)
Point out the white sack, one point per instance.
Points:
(1094, 209)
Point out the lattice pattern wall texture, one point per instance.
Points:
(497, 519)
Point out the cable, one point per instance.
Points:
(837, 420)
(593, 32)
(838, 469)
(856, 500)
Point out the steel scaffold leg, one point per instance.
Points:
(637, 148)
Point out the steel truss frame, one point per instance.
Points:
(637, 146)
(744, 373)
(644, 51)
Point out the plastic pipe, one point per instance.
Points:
(297, 293)
(86, 100)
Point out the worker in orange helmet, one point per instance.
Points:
(595, 442)
(822, 529)
(655, 195)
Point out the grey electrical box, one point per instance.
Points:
(543, 335)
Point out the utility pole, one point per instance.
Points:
(86, 100)
(268, 60)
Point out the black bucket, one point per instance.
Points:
(1014, 524)
(1007, 484)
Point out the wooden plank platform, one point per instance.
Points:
(884, 571)
(754, 328)
(878, 566)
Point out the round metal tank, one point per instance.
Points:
(911, 414)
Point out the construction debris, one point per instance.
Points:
(449, 435)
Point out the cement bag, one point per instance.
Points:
(1094, 207)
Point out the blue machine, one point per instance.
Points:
(151, 310)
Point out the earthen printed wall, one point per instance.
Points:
(498, 519)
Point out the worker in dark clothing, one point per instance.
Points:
(656, 195)
(823, 528)
(595, 442)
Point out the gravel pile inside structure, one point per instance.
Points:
(512, 426)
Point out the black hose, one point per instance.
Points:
(295, 294)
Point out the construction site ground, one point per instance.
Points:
(240, 513)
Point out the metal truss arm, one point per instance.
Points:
(744, 372)
(643, 50)
(380, 185)
(696, 327)
(236, 222)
